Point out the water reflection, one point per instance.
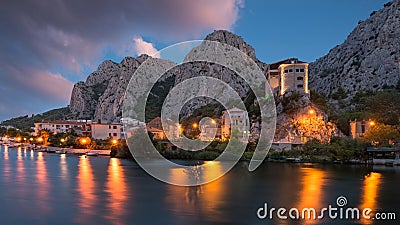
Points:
(6, 165)
(192, 203)
(311, 194)
(20, 167)
(117, 192)
(86, 186)
(370, 191)
(42, 188)
(64, 167)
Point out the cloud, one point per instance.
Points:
(143, 47)
(68, 37)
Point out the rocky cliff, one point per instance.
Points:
(369, 59)
(101, 96)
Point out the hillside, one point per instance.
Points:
(369, 59)
(26, 122)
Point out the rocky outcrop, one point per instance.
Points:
(101, 96)
(369, 59)
(194, 69)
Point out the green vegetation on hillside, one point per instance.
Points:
(26, 122)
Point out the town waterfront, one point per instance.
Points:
(42, 188)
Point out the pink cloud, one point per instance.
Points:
(53, 86)
(142, 47)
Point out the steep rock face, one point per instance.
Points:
(369, 59)
(100, 97)
(190, 70)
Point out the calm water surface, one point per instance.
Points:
(41, 188)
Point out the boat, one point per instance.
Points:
(91, 154)
(61, 151)
(51, 150)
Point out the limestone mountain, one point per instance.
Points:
(101, 96)
(369, 59)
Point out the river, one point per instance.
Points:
(42, 188)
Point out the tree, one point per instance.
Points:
(42, 137)
(381, 135)
(385, 107)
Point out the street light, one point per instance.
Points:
(311, 111)
(194, 125)
(372, 123)
(114, 141)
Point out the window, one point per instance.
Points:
(109, 134)
(66, 126)
(115, 134)
(301, 70)
(109, 126)
(114, 127)
(297, 70)
(291, 70)
(299, 78)
(286, 71)
(299, 86)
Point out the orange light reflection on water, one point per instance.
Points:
(117, 192)
(86, 185)
(369, 194)
(192, 202)
(42, 188)
(311, 193)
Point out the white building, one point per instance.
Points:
(104, 131)
(209, 132)
(237, 121)
(62, 126)
(288, 75)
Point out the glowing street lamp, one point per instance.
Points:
(30, 139)
(18, 139)
(213, 121)
(311, 111)
(39, 139)
(194, 125)
(372, 123)
(62, 140)
(114, 141)
(84, 141)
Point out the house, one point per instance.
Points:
(210, 132)
(62, 126)
(171, 129)
(288, 75)
(103, 131)
(359, 127)
(82, 127)
(235, 121)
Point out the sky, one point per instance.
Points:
(48, 45)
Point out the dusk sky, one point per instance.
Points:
(48, 45)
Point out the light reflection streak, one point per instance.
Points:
(86, 186)
(117, 192)
(370, 193)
